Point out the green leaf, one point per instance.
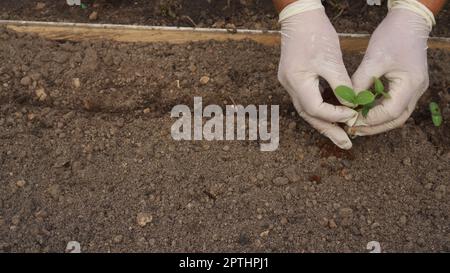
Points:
(379, 88)
(436, 115)
(364, 97)
(437, 120)
(378, 85)
(346, 93)
(434, 109)
(365, 111)
(366, 108)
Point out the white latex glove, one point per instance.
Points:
(397, 50)
(310, 48)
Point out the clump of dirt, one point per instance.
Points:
(347, 16)
(86, 154)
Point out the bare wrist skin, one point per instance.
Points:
(434, 5)
(281, 4)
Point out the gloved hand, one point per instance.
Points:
(397, 50)
(309, 49)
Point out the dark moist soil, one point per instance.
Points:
(347, 16)
(92, 163)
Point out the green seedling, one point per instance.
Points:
(379, 88)
(365, 99)
(436, 115)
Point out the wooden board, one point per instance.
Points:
(148, 34)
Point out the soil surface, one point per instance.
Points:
(86, 154)
(347, 16)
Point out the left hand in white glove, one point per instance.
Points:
(310, 49)
(397, 50)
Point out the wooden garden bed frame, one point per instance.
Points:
(177, 35)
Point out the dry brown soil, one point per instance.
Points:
(95, 162)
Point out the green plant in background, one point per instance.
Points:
(77, 3)
(365, 99)
(436, 115)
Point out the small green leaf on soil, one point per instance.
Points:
(437, 120)
(436, 115)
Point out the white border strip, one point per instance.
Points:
(164, 28)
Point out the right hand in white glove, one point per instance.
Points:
(310, 49)
(398, 51)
